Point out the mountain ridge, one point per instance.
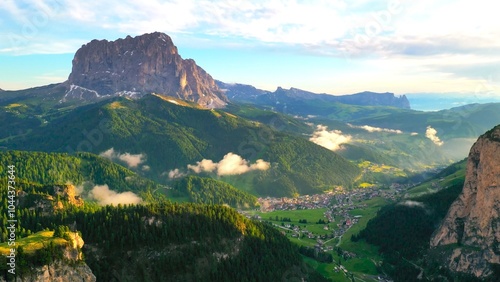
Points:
(247, 93)
(135, 66)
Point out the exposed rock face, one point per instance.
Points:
(71, 268)
(58, 272)
(473, 220)
(141, 65)
(69, 193)
(46, 204)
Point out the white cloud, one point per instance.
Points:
(109, 154)
(331, 140)
(412, 204)
(132, 160)
(175, 173)
(203, 166)
(414, 134)
(231, 164)
(376, 129)
(431, 133)
(104, 196)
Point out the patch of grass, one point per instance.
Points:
(366, 185)
(366, 253)
(33, 242)
(179, 102)
(311, 215)
(116, 105)
(435, 185)
(14, 105)
(326, 269)
(217, 114)
(361, 265)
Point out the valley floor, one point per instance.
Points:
(326, 222)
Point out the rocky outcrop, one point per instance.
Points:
(140, 65)
(70, 268)
(472, 225)
(50, 198)
(58, 272)
(68, 192)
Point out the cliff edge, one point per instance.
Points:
(471, 229)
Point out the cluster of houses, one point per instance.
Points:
(305, 202)
(338, 203)
(340, 198)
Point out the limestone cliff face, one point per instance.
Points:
(58, 272)
(71, 268)
(141, 65)
(47, 203)
(473, 220)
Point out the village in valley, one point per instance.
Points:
(321, 221)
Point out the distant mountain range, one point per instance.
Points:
(285, 98)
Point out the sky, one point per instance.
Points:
(332, 46)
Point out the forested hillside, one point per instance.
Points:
(167, 136)
(177, 242)
(402, 231)
(210, 191)
(62, 168)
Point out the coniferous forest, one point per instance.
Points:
(155, 239)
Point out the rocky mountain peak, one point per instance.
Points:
(135, 66)
(472, 224)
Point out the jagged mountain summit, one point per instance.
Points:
(135, 66)
(247, 93)
(471, 229)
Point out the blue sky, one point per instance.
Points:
(334, 46)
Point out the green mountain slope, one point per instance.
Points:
(275, 120)
(170, 134)
(405, 241)
(62, 168)
(211, 191)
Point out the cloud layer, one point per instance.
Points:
(104, 196)
(332, 140)
(231, 164)
(414, 46)
(132, 160)
(376, 129)
(431, 133)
